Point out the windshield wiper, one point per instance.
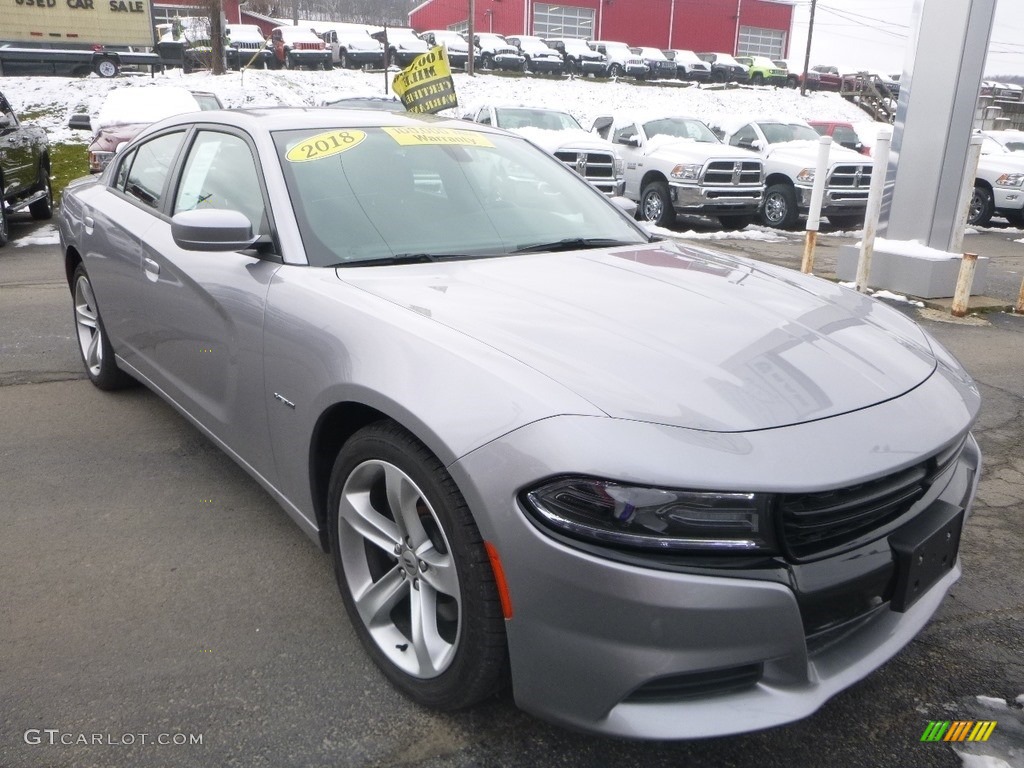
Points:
(572, 244)
(402, 258)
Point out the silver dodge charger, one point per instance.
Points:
(659, 491)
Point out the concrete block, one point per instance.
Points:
(910, 275)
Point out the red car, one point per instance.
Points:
(843, 134)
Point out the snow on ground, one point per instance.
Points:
(50, 101)
(981, 761)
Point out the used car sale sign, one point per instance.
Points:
(426, 85)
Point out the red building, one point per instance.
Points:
(741, 27)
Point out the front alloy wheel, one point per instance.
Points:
(779, 207)
(982, 208)
(656, 204)
(413, 571)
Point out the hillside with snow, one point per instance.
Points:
(50, 101)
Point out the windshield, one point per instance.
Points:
(534, 44)
(535, 118)
(679, 127)
(776, 133)
(386, 193)
(725, 58)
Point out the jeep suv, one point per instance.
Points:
(579, 58)
(620, 59)
(725, 69)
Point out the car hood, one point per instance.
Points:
(670, 148)
(807, 152)
(552, 141)
(671, 335)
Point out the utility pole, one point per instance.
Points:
(470, 36)
(807, 55)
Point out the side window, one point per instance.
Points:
(623, 134)
(148, 173)
(744, 137)
(220, 173)
(483, 116)
(122, 170)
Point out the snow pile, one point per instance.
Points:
(913, 249)
(52, 100)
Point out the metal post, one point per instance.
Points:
(962, 296)
(956, 243)
(471, 37)
(814, 214)
(880, 156)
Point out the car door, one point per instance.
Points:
(16, 156)
(207, 308)
(117, 218)
(629, 139)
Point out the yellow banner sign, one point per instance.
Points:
(426, 85)
(410, 137)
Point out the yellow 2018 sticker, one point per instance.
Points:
(409, 137)
(324, 145)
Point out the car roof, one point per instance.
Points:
(260, 119)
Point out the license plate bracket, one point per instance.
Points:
(925, 549)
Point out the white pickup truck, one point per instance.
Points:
(790, 151)
(559, 134)
(677, 165)
(998, 185)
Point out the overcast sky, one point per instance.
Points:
(872, 34)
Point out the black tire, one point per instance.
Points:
(982, 207)
(343, 59)
(435, 543)
(846, 222)
(615, 71)
(487, 61)
(43, 209)
(106, 67)
(656, 204)
(5, 225)
(93, 343)
(734, 223)
(719, 77)
(757, 79)
(778, 210)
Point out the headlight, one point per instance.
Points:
(660, 519)
(689, 172)
(1010, 180)
(806, 176)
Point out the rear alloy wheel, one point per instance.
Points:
(656, 204)
(982, 207)
(97, 354)
(43, 208)
(779, 209)
(413, 570)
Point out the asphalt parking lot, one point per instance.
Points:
(153, 592)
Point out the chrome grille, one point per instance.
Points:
(742, 173)
(850, 176)
(596, 167)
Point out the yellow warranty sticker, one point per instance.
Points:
(324, 145)
(409, 137)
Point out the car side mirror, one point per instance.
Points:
(80, 122)
(629, 141)
(212, 229)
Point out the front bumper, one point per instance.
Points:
(591, 66)
(691, 198)
(548, 66)
(634, 70)
(591, 633)
(836, 200)
(373, 58)
(1008, 198)
(508, 62)
(310, 58)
